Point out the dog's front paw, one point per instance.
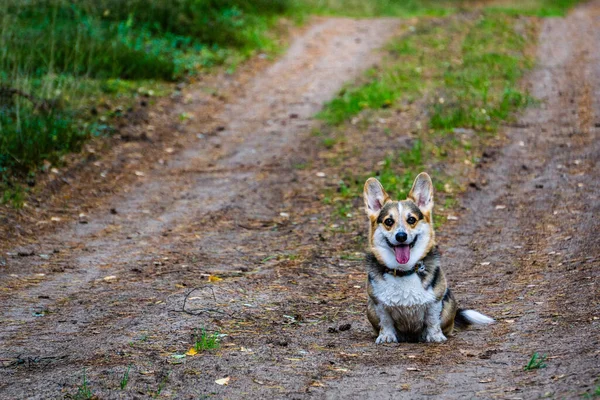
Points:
(435, 336)
(386, 337)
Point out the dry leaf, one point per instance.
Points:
(223, 381)
(214, 278)
(191, 352)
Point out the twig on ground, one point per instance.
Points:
(199, 311)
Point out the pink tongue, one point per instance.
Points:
(402, 253)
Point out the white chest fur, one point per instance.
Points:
(404, 291)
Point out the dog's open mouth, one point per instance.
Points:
(402, 251)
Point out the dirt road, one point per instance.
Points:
(108, 294)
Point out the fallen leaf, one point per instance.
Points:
(469, 353)
(214, 278)
(191, 352)
(223, 381)
(178, 356)
(317, 384)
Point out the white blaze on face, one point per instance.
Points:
(402, 256)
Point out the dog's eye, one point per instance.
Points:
(411, 220)
(389, 222)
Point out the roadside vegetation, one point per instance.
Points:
(464, 71)
(68, 67)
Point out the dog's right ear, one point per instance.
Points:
(375, 197)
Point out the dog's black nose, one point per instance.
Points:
(401, 237)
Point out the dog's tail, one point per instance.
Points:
(465, 318)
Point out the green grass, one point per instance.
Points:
(125, 379)
(595, 393)
(60, 60)
(84, 392)
(382, 8)
(416, 8)
(535, 362)
(467, 70)
(206, 341)
(540, 8)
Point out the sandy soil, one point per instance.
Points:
(225, 197)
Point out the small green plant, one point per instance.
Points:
(329, 142)
(14, 196)
(536, 362)
(593, 394)
(84, 392)
(161, 385)
(206, 341)
(125, 378)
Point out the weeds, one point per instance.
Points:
(125, 378)
(536, 362)
(206, 341)
(84, 392)
(72, 55)
(595, 393)
(465, 70)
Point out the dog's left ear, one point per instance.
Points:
(422, 192)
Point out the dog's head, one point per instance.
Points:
(401, 232)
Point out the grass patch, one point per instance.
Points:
(466, 70)
(595, 393)
(60, 59)
(125, 379)
(416, 8)
(382, 8)
(536, 362)
(84, 392)
(540, 8)
(206, 341)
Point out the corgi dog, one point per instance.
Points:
(409, 299)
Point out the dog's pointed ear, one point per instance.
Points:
(375, 197)
(422, 192)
